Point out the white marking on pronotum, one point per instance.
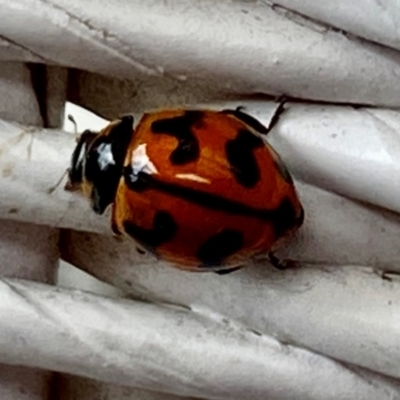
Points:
(105, 156)
(192, 177)
(141, 162)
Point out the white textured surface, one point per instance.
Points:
(32, 162)
(354, 152)
(19, 102)
(242, 47)
(329, 309)
(72, 387)
(26, 251)
(179, 53)
(12, 51)
(293, 306)
(375, 20)
(172, 350)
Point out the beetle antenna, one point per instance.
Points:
(72, 119)
(53, 188)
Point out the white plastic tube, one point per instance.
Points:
(240, 47)
(172, 350)
(374, 20)
(348, 313)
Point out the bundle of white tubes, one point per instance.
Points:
(327, 330)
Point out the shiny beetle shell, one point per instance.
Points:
(198, 188)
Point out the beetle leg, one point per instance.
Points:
(277, 114)
(228, 271)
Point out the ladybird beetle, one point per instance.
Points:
(198, 188)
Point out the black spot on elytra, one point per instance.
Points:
(260, 128)
(188, 148)
(248, 120)
(240, 154)
(286, 218)
(163, 230)
(220, 246)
